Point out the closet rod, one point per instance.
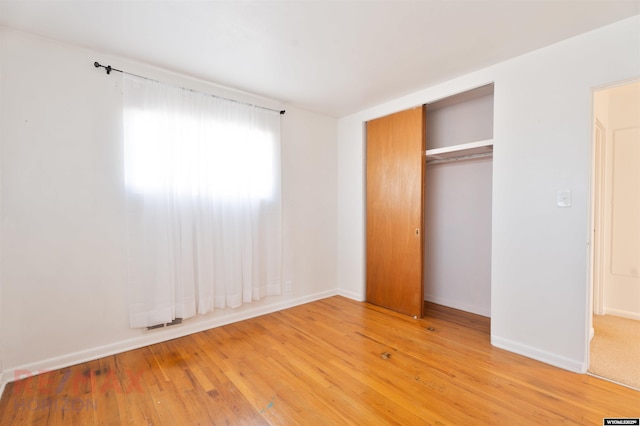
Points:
(109, 68)
(461, 157)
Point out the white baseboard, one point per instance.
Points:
(3, 382)
(484, 311)
(623, 314)
(358, 297)
(537, 354)
(151, 338)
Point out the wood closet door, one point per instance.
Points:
(394, 198)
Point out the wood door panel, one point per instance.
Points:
(394, 181)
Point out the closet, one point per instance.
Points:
(457, 201)
(428, 205)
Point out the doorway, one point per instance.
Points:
(614, 346)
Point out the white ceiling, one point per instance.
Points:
(332, 57)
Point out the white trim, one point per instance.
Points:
(147, 339)
(623, 314)
(358, 297)
(596, 233)
(539, 355)
(3, 382)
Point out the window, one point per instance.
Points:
(207, 158)
(202, 179)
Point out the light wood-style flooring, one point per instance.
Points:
(334, 361)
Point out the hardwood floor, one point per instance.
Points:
(333, 361)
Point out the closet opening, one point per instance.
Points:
(457, 201)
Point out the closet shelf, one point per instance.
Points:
(466, 150)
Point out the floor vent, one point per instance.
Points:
(159, 326)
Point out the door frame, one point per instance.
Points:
(597, 218)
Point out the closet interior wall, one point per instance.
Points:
(457, 264)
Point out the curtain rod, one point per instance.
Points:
(109, 68)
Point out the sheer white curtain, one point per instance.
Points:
(203, 203)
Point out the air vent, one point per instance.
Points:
(168, 324)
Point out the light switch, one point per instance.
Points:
(564, 198)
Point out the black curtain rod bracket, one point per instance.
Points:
(109, 68)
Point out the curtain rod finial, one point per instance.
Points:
(107, 68)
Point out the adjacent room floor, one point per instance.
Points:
(615, 349)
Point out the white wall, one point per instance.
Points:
(2, 381)
(542, 144)
(457, 232)
(64, 297)
(459, 123)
